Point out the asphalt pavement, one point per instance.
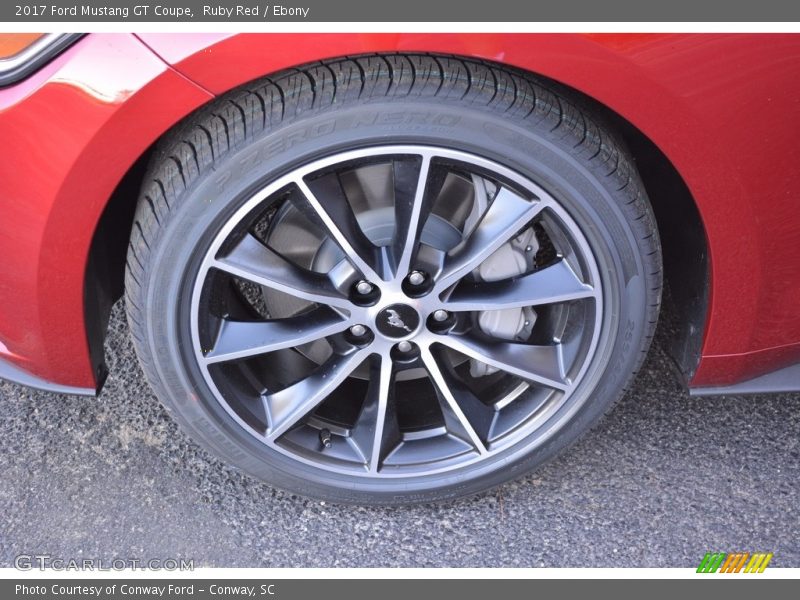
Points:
(663, 480)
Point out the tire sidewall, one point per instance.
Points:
(586, 192)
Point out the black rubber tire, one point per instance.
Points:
(204, 169)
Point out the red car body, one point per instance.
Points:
(724, 110)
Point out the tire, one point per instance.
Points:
(222, 174)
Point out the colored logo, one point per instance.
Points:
(743, 562)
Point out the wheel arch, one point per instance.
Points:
(685, 308)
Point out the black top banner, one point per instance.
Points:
(360, 11)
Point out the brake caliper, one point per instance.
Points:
(510, 260)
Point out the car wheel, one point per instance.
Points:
(391, 279)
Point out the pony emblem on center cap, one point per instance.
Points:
(393, 318)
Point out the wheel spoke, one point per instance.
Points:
(252, 260)
(431, 260)
(464, 420)
(337, 217)
(241, 339)
(288, 406)
(555, 283)
(506, 215)
(542, 364)
(377, 431)
(479, 415)
(412, 205)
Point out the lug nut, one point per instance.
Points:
(416, 278)
(363, 287)
(441, 315)
(358, 330)
(404, 346)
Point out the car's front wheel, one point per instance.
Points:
(391, 279)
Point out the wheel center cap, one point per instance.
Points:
(397, 321)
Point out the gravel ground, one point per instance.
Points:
(662, 480)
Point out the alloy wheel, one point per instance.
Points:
(397, 311)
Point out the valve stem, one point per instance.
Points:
(325, 438)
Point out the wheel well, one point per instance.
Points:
(683, 238)
(687, 273)
(104, 281)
